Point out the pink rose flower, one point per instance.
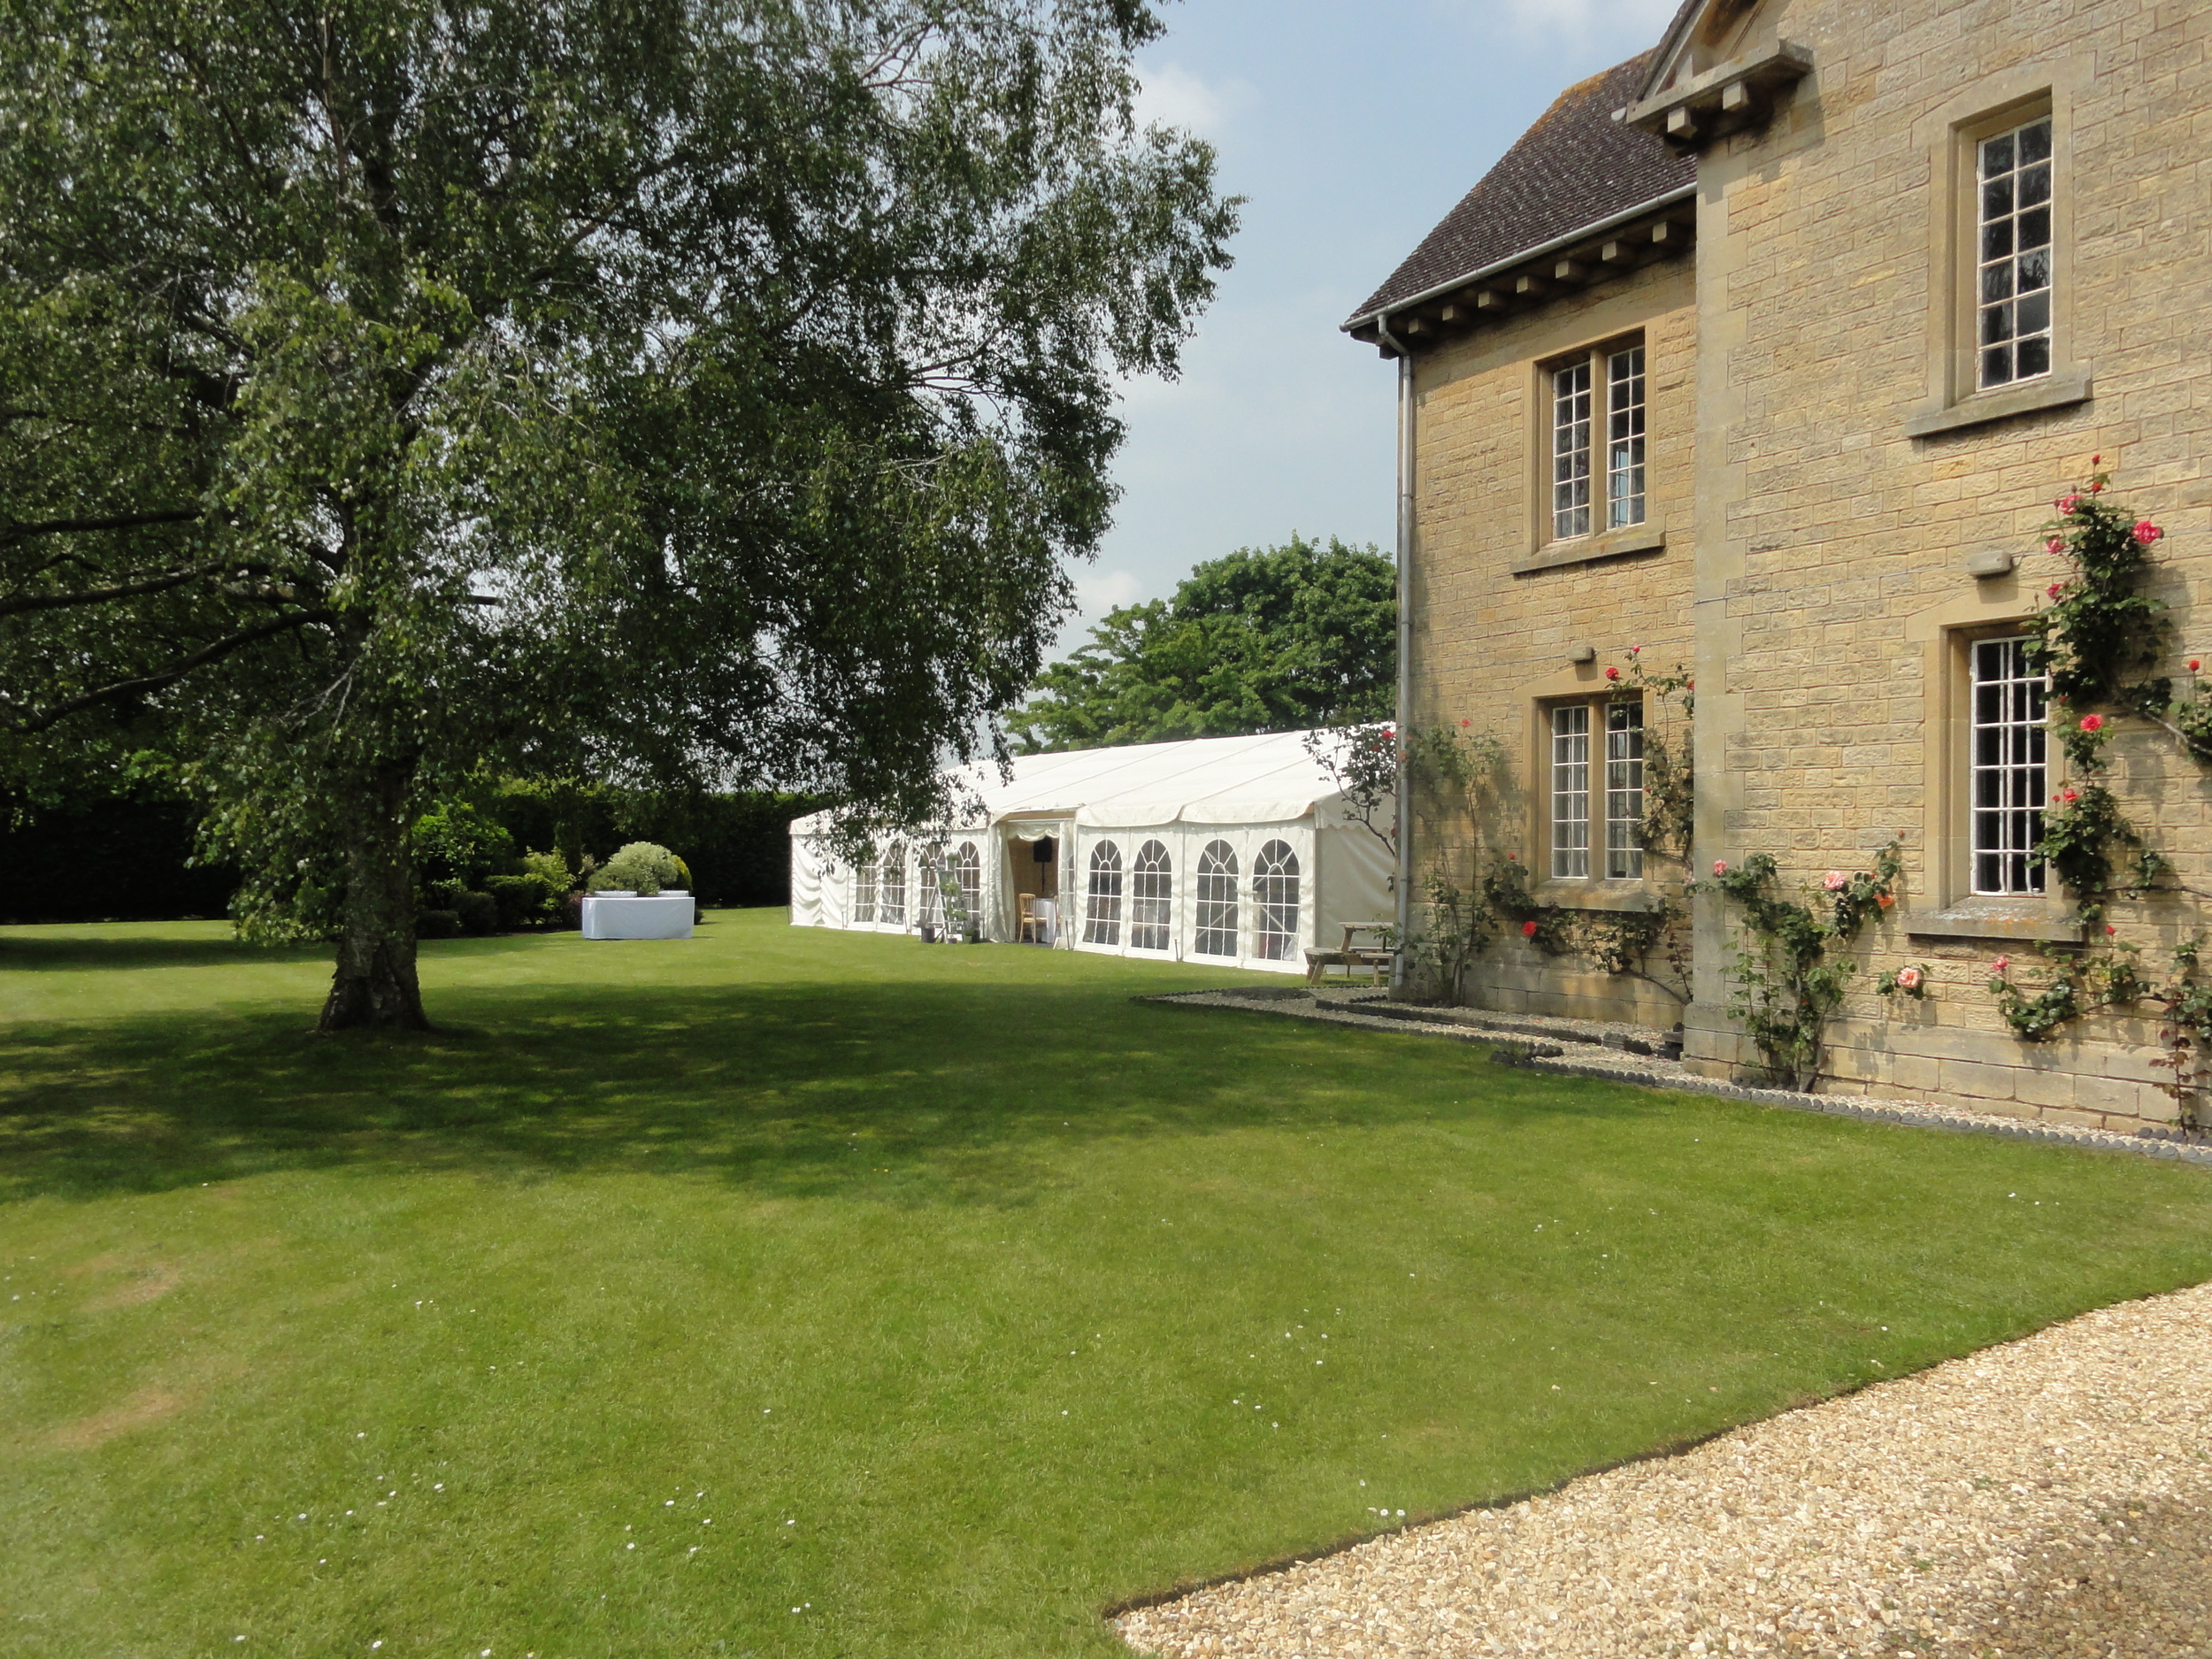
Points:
(2066, 504)
(2093, 723)
(1909, 979)
(1720, 867)
(1466, 723)
(2000, 964)
(2069, 797)
(2056, 544)
(2055, 589)
(1835, 881)
(2146, 533)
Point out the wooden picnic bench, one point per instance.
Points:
(1354, 956)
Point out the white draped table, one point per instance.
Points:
(627, 916)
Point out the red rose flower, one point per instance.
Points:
(2146, 533)
(2096, 460)
(1528, 930)
(2195, 665)
(2095, 484)
(2093, 723)
(1612, 673)
(2069, 797)
(2109, 928)
(2055, 588)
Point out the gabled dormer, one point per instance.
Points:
(1721, 67)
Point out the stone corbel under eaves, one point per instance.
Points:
(1512, 286)
(1724, 99)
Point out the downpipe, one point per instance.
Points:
(1402, 879)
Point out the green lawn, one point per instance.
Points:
(945, 1295)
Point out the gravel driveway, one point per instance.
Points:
(2049, 1497)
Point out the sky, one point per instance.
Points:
(1353, 128)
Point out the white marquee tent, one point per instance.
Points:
(1233, 850)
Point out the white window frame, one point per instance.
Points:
(864, 890)
(1601, 395)
(2015, 241)
(1102, 894)
(891, 890)
(1152, 899)
(2009, 768)
(1568, 772)
(1277, 907)
(1625, 789)
(1593, 793)
(1216, 917)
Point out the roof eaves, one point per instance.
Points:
(1681, 193)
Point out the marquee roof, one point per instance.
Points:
(1269, 778)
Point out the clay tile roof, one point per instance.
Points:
(1576, 167)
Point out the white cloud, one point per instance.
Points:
(1172, 96)
(1622, 27)
(1100, 591)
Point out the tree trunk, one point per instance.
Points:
(375, 983)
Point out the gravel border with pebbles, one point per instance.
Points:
(1575, 1048)
(2047, 1497)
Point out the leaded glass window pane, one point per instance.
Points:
(2010, 769)
(2013, 291)
(1570, 790)
(1624, 790)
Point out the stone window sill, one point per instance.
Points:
(2061, 389)
(1997, 920)
(1640, 538)
(1596, 895)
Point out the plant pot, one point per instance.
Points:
(929, 933)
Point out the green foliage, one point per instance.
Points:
(479, 913)
(1264, 639)
(2083, 831)
(641, 867)
(1787, 983)
(397, 395)
(437, 923)
(526, 901)
(457, 842)
(1911, 981)
(2098, 630)
(552, 868)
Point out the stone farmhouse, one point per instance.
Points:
(1766, 354)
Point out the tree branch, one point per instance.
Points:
(28, 725)
(27, 603)
(11, 533)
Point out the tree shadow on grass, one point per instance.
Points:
(82, 951)
(913, 1093)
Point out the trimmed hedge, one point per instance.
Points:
(125, 859)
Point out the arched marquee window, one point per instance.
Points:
(864, 887)
(1275, 890)
(1151, 899)
(891, 905)
(1102, 915)
(929, 902)
(1216, 932)
(967, 869)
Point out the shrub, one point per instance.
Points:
(442, 895)
(641, 867)
(438, 923)
(479, 913)
(457, 843)
(524, 901)
(552, 868)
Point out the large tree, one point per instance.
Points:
(393, 391)
(1264, 639)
